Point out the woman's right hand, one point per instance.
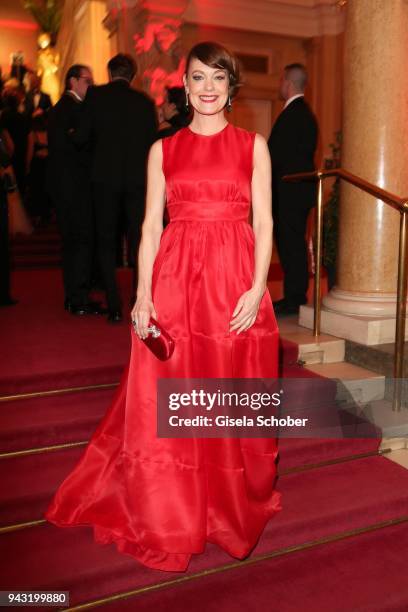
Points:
(140, 315)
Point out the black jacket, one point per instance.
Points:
(292, 145)
(44, 103)
(67, 166)
(120, 125)
(293, 140)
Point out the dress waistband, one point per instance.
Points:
(208, 211)
(201, 220)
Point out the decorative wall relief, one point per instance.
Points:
(151, 31)
(160, 57)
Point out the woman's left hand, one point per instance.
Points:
(246, 310)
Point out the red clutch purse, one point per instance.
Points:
(159, 341)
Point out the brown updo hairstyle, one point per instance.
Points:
(215, 55)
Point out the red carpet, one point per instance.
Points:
(42, 249)
(58, 419)
(24, 496)
(317, 504)
(364, 573)
(46, 348)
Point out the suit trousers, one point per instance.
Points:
(291, 206)
(108, 202)
(73, 203)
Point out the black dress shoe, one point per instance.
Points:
(78, 311)
(114, 316)
(279, 303)
(287, 310)
(8, 302)
(279, 306)
(67, 305)
(96, 308)
(90, 308)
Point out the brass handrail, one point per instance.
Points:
(400, 204)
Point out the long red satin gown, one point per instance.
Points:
(160, 500)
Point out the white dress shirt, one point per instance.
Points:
(74, 95)
(36, 100)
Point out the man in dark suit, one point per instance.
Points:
(292, 145)
(120, 122)
(68, 184)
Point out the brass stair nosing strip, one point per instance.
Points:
(309, 466)
(31, 394)
(239, 564)
(18, 526)
(41, 449)
(312, 466)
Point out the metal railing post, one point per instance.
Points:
(401, 310)
(400, 204)
(318, 258)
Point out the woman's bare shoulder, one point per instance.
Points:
(156, 151)
(261, 150)
(260, 141)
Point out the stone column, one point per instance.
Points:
(362, 306)
(150, 31)
(375, 147)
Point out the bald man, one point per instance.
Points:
(292, 145)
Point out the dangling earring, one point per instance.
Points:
(229, 104)
(187, 104)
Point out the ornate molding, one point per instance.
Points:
(304, 18)
(163, 7)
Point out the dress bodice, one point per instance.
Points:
(208, 178)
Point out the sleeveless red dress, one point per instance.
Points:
(161, 499)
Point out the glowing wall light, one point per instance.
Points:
(13, 24)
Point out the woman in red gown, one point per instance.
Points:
(204, 278)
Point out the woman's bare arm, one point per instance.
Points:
(152, 229)
(246, 310)
(262, 211)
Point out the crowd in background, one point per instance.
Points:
(23, 114)
(86, 158)
(42, 141)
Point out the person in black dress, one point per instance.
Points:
(292, 145)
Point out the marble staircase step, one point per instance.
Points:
(363, 329)
(323, 349)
